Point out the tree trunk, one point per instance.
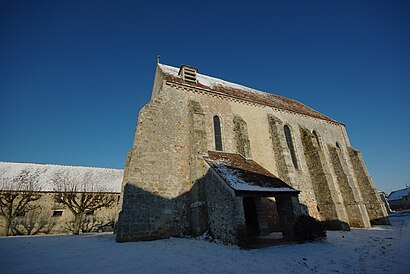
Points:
(77, 223)
(8, 224)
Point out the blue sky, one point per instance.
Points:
(74, 74)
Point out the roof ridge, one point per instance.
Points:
(228, 82)
(46, 164)
(244, 93)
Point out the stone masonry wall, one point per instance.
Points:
(157, 174)
(162, 188)
(268, 145)
(41, 220)
(356, 211)
(198, 168)
(241, 137)
(275, 130)
(321, 181)
(272, 217)
(375, 209)
(225, 211)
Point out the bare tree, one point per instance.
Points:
(33, 222)
(93, 223)
(81, 194)
(89, 223)
(17, 195)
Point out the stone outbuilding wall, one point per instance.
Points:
(45, 216)
(94, 194)
(225, 211)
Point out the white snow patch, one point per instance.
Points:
(234, 179)
(213, 82)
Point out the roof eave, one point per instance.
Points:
(250, 193)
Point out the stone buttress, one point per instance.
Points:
(161, 195)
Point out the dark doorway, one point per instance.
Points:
(251, 217)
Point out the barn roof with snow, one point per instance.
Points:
(221, 87)
(399, 194)
(103, 179)
(246, 177)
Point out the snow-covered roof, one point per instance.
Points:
(50, 177)
(399, 194)
(245, 175)
(226, 88)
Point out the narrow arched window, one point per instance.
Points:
(217, 133)
(289, 142)
(337, 145)
(316, 137)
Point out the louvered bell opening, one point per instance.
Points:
(188, 73)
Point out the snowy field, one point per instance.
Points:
(383, 249)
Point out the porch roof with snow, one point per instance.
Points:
(246, 177)
(236, 91)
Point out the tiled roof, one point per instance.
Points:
(100, 179)
(226, 88)
(246, 176)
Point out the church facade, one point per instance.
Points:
(210, 155)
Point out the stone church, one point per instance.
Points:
(211, 155)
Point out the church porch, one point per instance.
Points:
(247, 205)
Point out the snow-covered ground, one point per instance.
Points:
(383, 249)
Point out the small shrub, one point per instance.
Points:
(308, 228)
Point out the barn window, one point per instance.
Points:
(217, 133)
(289, 142)
(316, 137)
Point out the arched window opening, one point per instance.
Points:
(217, 133)
(337, 145)
(290, 146)
(316, 137)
